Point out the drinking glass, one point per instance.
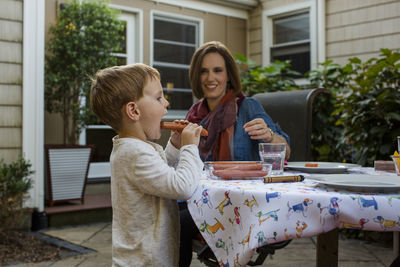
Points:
(273, 153)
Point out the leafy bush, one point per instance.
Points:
(369, 108)
(327, 137)
(275, 77)
(81, 43)
(15, 181)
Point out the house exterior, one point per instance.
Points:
(305, 31)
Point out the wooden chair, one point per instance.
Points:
(292, 110)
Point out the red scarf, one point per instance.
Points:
(220, 125)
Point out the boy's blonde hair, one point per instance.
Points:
(114, 87)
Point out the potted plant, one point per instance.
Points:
(81, 42)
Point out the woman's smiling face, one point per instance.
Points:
(213, 78)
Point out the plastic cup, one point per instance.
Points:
(274, 154)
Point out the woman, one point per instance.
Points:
(236, 124)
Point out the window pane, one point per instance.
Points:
(178, 99)
(172, 53)
(174, 31)
(299, 56)
(102, 140)
(291, 28)
(177, 78)
(176, 84)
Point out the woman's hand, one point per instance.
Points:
(258, 130)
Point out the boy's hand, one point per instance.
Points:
(176, 136)
(191, 134)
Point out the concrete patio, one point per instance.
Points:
(301, 252)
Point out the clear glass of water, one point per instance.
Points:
(273, 153)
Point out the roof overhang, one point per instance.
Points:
(232, 8)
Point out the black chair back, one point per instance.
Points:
(292, 110)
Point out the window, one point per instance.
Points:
(290, 33)
(291, 41)
(101, 135)
(174, 42)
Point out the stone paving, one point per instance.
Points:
(300, 252)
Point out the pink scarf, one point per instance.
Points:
(219, 124)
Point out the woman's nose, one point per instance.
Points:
(210, 76)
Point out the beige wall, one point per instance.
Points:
(11, 18)
(229, 30)
(359, 28)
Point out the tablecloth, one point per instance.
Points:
(237, 216)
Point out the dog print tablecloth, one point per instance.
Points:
(237, 216)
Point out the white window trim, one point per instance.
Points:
(33, 97)
(317, 25)
(136, 33)
(176, 114)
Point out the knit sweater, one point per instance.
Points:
(145, 227)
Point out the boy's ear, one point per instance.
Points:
(132, 111)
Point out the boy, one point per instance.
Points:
(144, 189)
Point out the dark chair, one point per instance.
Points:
(292, 110)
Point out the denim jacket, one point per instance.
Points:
(244, 147)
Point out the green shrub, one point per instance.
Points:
(15, 181)
(327, 137)
(275, 77)
(363, 115)
(81, 43)
(368, 108)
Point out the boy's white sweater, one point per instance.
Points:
(144, 189)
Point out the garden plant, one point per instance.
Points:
(81, 42)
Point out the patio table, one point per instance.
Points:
(237, 216)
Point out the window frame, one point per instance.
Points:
(317, 42)
(134, 53)
(174, 114)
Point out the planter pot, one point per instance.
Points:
(67, 170)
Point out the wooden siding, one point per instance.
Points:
(11, 16)
(356, 28)
(360, 28)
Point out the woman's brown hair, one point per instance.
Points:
(231, 67)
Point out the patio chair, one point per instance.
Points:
(292, 110)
